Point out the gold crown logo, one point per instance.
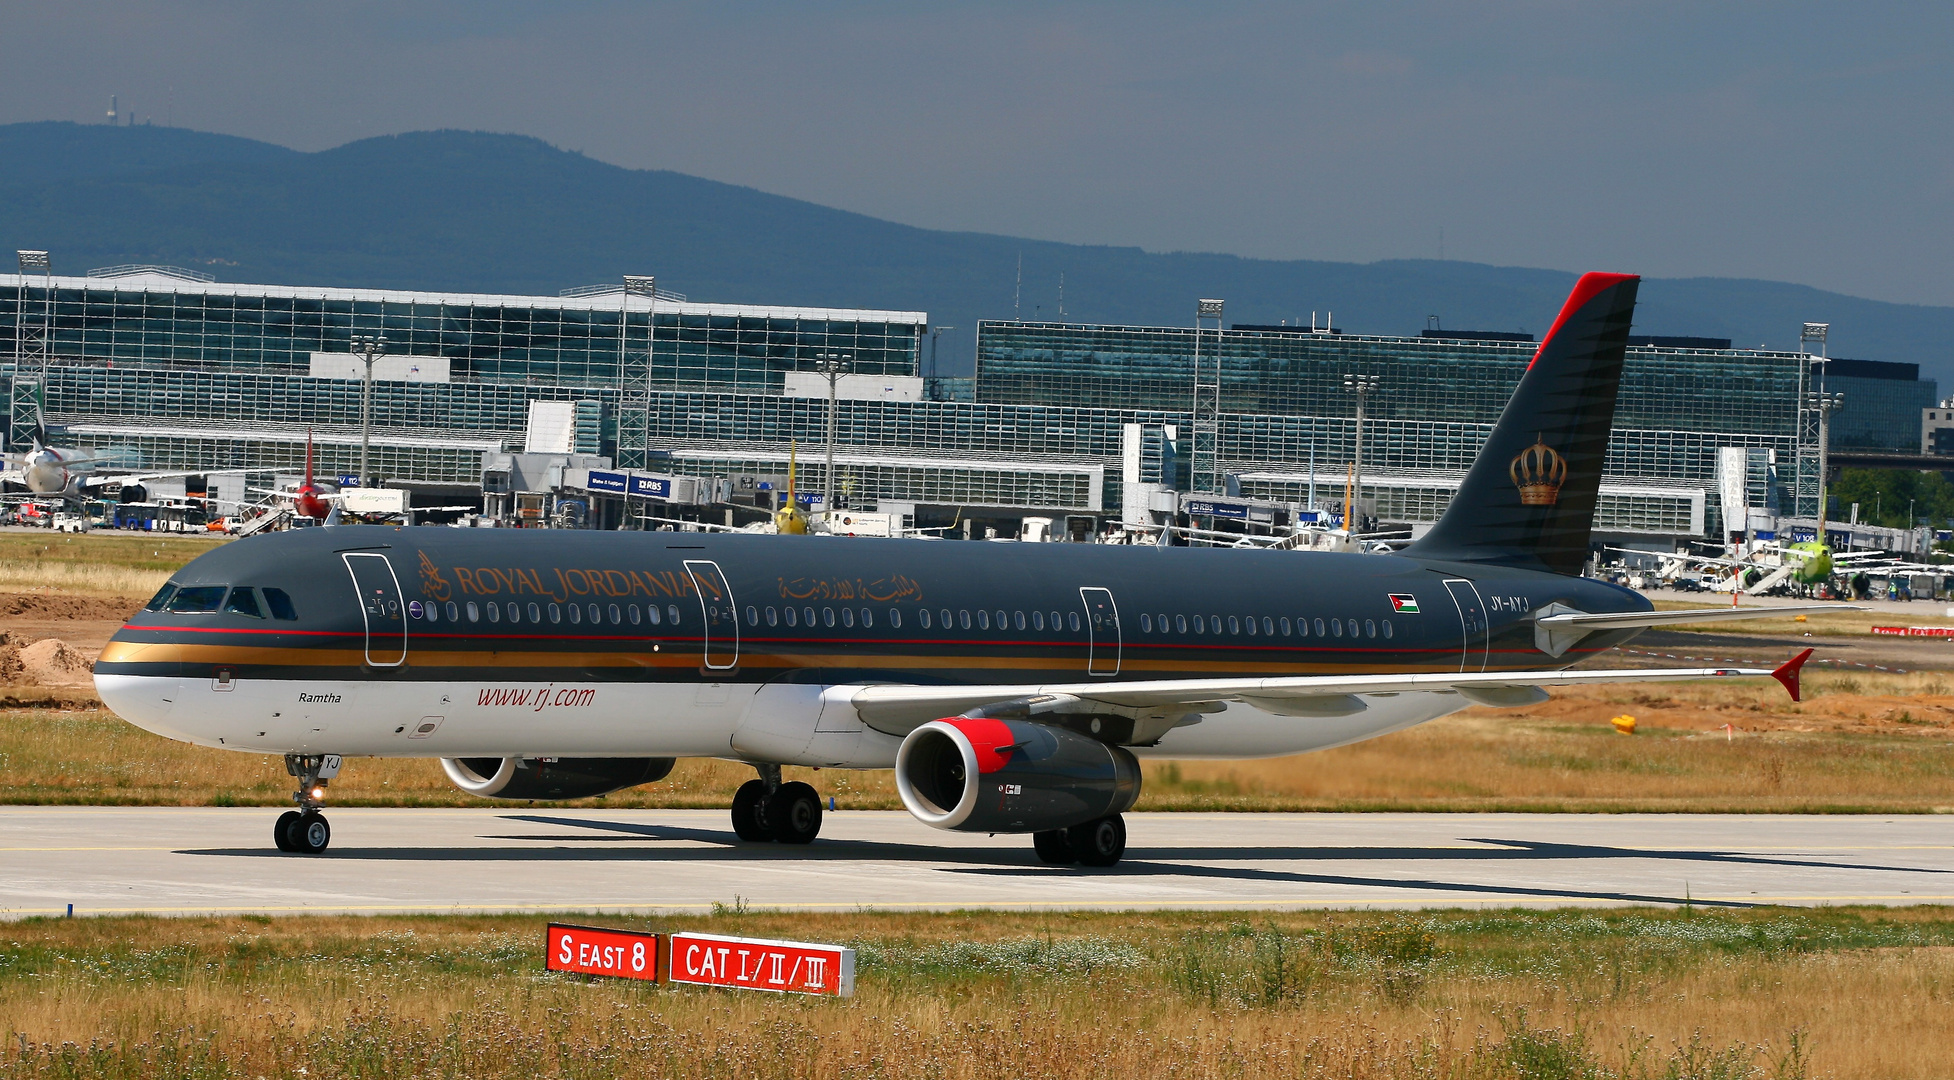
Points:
(1538, 472)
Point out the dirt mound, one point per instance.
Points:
(53, 662)
(55, 606)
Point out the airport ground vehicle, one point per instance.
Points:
(1012, 687)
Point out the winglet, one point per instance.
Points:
(1787, 673)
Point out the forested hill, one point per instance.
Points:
(467, 211)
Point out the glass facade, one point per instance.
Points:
(176, 373)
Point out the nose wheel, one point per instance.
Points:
(305, 831)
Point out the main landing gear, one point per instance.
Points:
(304, 831)
(1099, 842)
(766, 809)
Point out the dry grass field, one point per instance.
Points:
(1858, 743)
(95, 564)
(1540, 995)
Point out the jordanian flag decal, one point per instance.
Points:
(1404, 602)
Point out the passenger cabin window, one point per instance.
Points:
(752, 615)
(1269, 628)
(576, 614)
(595, 616)
(243, 602)
(1073, 622)
(1285, 626)
(773, 616)
(671, 613)
(472, 614)
(162, 597)
(454, 613)
(793, 617)
(617, 616)
(283, 610)
(1037, 620)
(895, 618)
(197, 599)
(868, 618)
(923, 617)
(983, 619)
(1146, 623)
(1387, 628)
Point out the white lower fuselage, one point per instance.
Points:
(782, 723)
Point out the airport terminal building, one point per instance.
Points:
(167, 369)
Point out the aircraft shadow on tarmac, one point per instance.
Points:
(1140, 862)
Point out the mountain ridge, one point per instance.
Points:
(483, 212)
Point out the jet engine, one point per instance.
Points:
(987, 775)
(552, 778)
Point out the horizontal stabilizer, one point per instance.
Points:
(1627, 619)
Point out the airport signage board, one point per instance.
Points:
(600, 480)
(783, 967)
(651, 487)
(1208, 508)
(590, 950)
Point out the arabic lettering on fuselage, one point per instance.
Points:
(891, 589)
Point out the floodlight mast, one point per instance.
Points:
(634, 380)
(32, 331)
(368, 347)
(1205, 467)
(1361, 385)
(832, 366)
(1824, 404)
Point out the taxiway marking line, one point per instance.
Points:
(1067, 905)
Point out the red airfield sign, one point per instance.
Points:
(789, 967)
(588, 950)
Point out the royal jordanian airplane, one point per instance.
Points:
(1012, 687)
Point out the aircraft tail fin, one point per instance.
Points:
(1530, 496)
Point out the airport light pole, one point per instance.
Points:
(368, 347)
(1361, 385)
(833, 366)
(1823, 404)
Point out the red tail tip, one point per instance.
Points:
(1787, 673)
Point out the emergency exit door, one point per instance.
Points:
(379, 594)
(1102, 632)
(1474, 628)
(722, 624)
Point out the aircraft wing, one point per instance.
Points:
(98, 479)
(1157, 705)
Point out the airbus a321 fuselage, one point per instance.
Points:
(1011, 686)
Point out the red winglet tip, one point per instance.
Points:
(1787, 673)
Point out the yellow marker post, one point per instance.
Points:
(1624, 725)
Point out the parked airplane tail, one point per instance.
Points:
(1530, 496)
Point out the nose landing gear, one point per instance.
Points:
(305, 831)
(766, 809)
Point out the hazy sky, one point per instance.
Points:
(1792, 141)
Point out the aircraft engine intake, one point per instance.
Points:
(552, 778)
(986, 775)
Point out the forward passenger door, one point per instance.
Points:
(1102, 632)
(379, 595)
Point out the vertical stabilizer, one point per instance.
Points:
(1529, 498)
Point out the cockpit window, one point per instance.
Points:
(243, 602)
(280, 605)
(161, 598)
(197, 599)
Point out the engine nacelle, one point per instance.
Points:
(986, 775)
(552, 778)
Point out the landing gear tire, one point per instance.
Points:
(1053, 847)
(794, 813)
(281, 833)
(310, 834)
(750, 811)
(1098, 843)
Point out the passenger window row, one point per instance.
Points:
(1264, 626)
(537, 613)
(212, 599)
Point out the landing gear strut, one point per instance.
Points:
(1099, 842)
(766, 809)
(305, 830)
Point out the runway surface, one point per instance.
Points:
(211, 861)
